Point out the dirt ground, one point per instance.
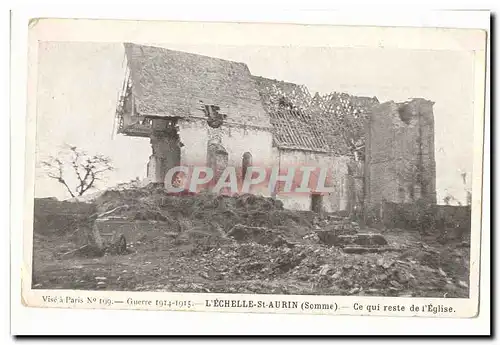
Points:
(193, 261)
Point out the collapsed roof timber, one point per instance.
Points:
(166, 83)
(199, 110)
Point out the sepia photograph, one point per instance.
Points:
(379, 222)
(254, 169)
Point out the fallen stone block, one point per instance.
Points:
(327, 237)
(365, 239)
(356, 249)
(344, 227)
(344, 240)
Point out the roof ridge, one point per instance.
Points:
(184, 52)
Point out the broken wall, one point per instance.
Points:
(399, 164)
(337, 178)
(165, 145)
(355, 187)
(236, 140)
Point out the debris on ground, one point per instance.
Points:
(239, 244)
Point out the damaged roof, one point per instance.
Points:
(174, 83)
(298, 121)
(295, 129)
(345, 115)
(169, 83)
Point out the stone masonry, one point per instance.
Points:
(400, 165)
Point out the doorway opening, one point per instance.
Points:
(316, 202)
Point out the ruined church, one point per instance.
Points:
(198, 110)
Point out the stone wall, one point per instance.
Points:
(165, 145)
(191, 148)
(337, 178)
(195, 136)
(400, 165)
(355, 188)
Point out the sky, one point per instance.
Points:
(78, 86)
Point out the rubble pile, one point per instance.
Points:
(304, 269)
(209, 213)
(259, 235)
(248, 244)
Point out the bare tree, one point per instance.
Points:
(73, 164)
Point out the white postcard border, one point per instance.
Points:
(465, 304)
